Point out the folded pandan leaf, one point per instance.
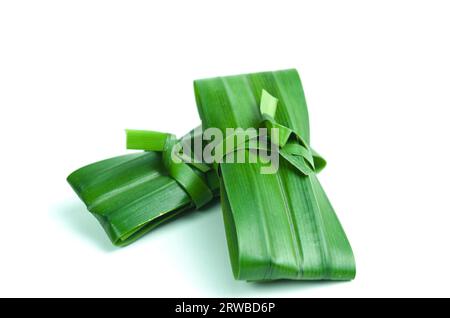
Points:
(132, 194)
(280, 225)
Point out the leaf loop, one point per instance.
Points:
(292, 146)
(191, 177)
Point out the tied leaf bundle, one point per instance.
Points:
(279, 225)
(132, 194)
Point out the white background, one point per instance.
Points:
(75, 74)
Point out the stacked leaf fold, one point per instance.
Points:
(279, 225)
(132, 194)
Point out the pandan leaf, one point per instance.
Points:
(132, 194)
(280, 225)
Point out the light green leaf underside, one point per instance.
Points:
(279, 226)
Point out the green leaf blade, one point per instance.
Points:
(129, 195)
(278, 226)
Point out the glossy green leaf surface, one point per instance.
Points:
(131, 194)
(281, 225)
